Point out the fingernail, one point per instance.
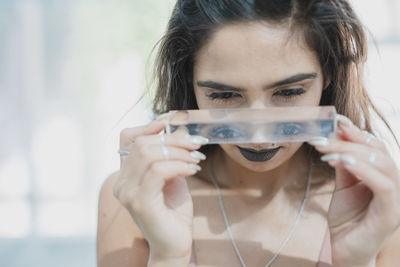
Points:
(197, 155)
(366, 133)
(195, 167)
(344, 120)
(331, 157)
(350, 160)
(198, 140)
(319, 141)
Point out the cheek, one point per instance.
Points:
(314, 96)
(291, 148)
(229, 149)
(201, 100)
(317, 96)
(311, 98)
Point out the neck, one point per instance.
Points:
(290, 175)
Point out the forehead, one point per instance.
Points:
(256, 49)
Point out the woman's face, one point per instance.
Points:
(257, 65)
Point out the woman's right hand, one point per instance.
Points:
(152, 187)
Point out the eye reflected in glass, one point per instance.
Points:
(244, 132)
(194, 128)
(225, 132)
(290, 128)
(218, 133)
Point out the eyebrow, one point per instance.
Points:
(218, 86)
(293, 79)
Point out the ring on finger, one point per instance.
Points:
(165, 151)
(372, 157)
(162, 138)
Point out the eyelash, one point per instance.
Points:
(287, 94)
(224, 95)
(290, 93)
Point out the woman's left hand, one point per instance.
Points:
(364, 210)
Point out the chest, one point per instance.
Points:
(258, 233)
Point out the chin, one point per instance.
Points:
(260, 166)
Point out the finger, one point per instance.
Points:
(381, 186)
(350, 132)
(128, 135)
(380, 162)
(178, 139)
(164, 117)
(343, 179)
(158, 153)
(361, 152)
(143, 159)
(160, 172)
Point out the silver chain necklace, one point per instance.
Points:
(228, 228)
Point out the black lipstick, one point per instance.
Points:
(258, 155)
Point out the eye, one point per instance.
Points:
(193, 129)
(226, 132)
(290, 93)
(224, 95)
(289, 128)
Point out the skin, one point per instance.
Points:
(152, 211)
(270, 56)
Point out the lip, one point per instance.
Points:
(258, 155)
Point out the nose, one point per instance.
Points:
(259, 103)
(260, 135)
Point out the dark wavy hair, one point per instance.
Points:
(330, 28)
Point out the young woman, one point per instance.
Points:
(324, 202)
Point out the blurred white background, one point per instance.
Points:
(69, 72)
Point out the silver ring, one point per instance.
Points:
(162, 138)
(372, 157)
(123, 152)
(165, 151)
(163, 147)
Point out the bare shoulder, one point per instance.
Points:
(119, 240)
(389, 255)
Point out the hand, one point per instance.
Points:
(364, 210)
(152, 187)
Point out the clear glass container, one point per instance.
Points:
(275, 124)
